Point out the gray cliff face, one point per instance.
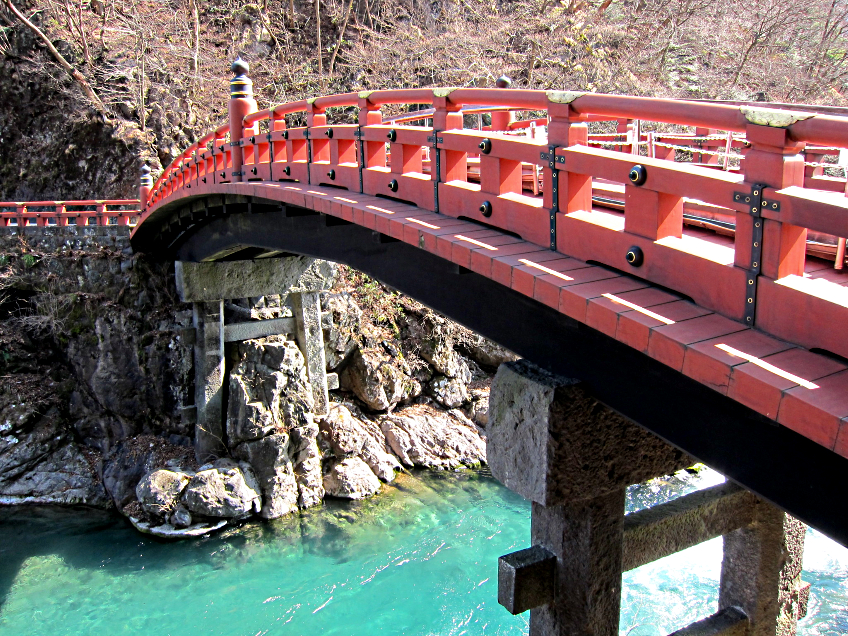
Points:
(89, 340)
(94, 341)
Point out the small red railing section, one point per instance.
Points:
(62, 213)
(740, 208)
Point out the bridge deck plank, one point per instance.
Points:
(762, 390)
(817, 414)
(574, 301)
(712, 366)
(668, 343)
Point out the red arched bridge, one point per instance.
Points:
(684, 259)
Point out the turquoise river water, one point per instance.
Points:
(420, 559)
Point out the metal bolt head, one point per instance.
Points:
(332, 175)
(634, 256)
(393, 185)
(486, 209)
(638, 175)
(392, 136)
(485, 146)
(503, 82)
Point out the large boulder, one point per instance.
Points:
(224, 489)
(374, 380)
(159, 491)
(348, 435)
(270, 461)
(132, 459)
(422, 435)
(350, 478)
(342, 432)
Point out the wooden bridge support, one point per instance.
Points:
(206, 286)
(553, 443)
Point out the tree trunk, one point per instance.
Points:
(70, 70)
(341, 38)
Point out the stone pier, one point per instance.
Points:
(553, 443)
(298, 280)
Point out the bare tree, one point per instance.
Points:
(78, 77)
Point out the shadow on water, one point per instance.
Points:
(90, 539)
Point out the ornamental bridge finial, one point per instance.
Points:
(241, 85)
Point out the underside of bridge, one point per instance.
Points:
(781, 466)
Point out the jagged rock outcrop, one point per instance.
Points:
(422, 435)
(268, 390)
(349, 436)
(341, 338)
(373, 379)
(269, 458)
(159, 491)
(350, 478)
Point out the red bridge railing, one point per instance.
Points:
(662, 205)
(47, 213)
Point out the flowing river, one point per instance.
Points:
(419, 559)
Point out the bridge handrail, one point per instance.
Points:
(804, 127)
(452, 173)
(58, 211)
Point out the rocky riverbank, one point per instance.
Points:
(92, 340)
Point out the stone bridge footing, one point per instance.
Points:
(207, 285)
(553, 443)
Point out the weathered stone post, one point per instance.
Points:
(310, 339)
(241, 104)
(209, 386)
(553, 443)
(761, 572)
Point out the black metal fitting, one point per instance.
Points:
(486, 209)
(637, 175)
(332, 174)
(221, 148)
(392, 135)
(223, 175)
(204, 179)
(635, 256)
(253, 170)
(329, 133)
(285, 134)
(253, 140)
(485, 146)
(287, 170)
(393, 185)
